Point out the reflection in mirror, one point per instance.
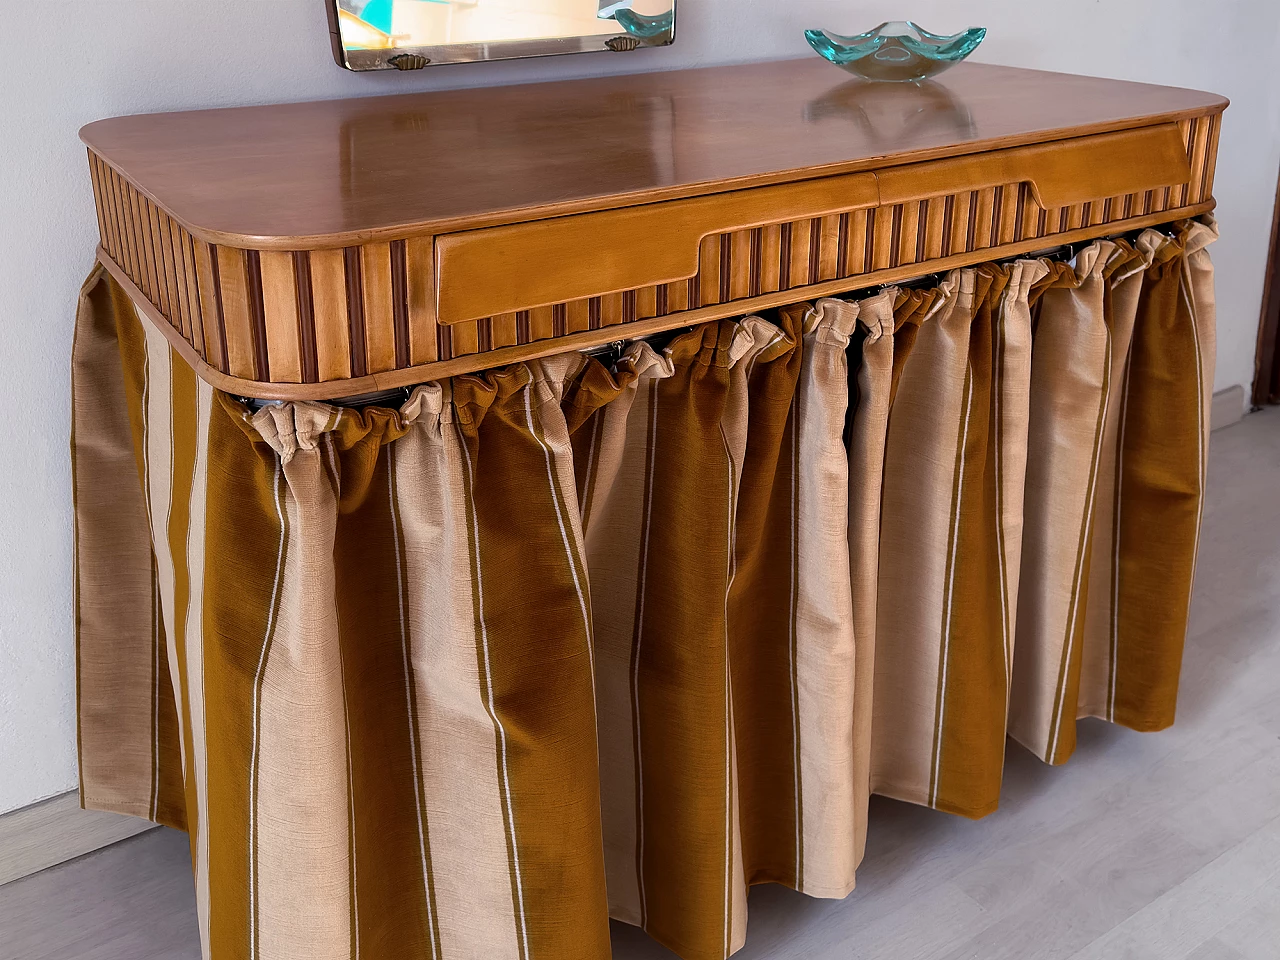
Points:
(409, 34)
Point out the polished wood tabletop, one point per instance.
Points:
(354, 170)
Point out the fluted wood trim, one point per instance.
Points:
(563, 339)
(333, 322)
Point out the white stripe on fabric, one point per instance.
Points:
(156, 613)
(794, 522)
(157, 617)
(331, 453)
(997, 399)
(493, 712)
(257, 717)
(393, 494)
(1082, 574)
(1183, 289)
(1115, 544)
(159, 453)
(951, 586)
(195, 657)
(728, 702)
(351, 825)
(652, 454)
(589, 475)
(564, 533)
(351, 812)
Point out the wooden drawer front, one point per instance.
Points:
(501, 270)
(1057, 174)
(504, 270)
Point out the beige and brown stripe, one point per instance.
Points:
(785, 637)
(1124, 359)
(1070, 378)
(559, 642)
(669, 613)
(612, 421)
(870, 374)
(130, 758)
(949, 500)
(296, 557)
(1151, 484)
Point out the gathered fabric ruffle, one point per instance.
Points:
(561, 641)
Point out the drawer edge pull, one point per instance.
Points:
(1060, 173)
(523, 266)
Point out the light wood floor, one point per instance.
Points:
(1144, 847)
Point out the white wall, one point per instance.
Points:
(68, 62)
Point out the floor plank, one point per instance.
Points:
(1186, 920)
(132, 901)
(56, 830)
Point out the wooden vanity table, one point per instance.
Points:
(330, 249)
(465, 671)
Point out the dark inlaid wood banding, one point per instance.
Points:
(997, 211)
(895, 237)
(869, 250)
(815, 252)
(757, 262)
(784, 261)
(400, 301)
(190, 303)
(257, 315)
(726, 268)
(948, 219)
(306, 316)
(355, 309)
(842, 246)
(1210, 158)
(194, 296)
(216, 269)
(921, 231)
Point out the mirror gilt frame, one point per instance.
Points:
(391, 53)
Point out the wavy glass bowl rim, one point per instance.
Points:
(931, 46)
(645, 26)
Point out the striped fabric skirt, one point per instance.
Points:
(561, 642)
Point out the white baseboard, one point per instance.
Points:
(1228, 407)
(56, 830)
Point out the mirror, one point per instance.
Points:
(412, 34)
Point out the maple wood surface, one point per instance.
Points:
(544, 262)
(328, 173)
(344, 385)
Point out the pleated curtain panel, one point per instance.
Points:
(561, 642)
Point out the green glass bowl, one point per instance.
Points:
(895, 51)
(646, 27)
